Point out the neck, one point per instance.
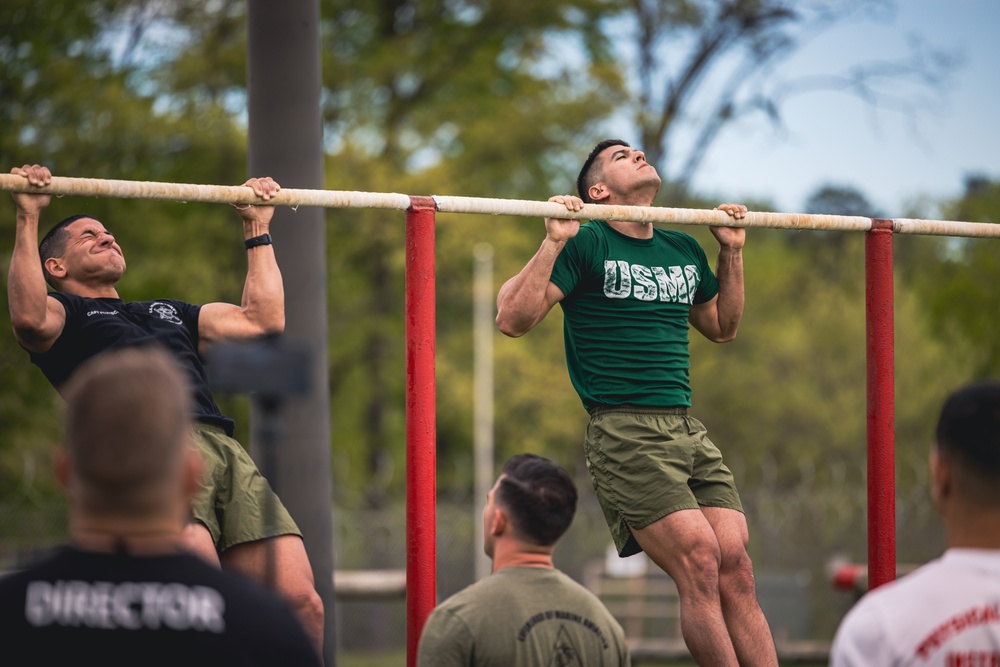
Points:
(137, 537)
(973, 528)
(638, 230)
(98, 291)
(520, 555)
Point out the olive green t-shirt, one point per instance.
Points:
(626, 310)
(523, 616)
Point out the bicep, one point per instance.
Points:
(39, 339)
(553, 295)
(224, 321)
(705, 318)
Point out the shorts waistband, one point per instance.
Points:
(637, 410)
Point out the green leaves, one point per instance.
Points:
(480, 98)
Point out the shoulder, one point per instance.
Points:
(590, 232)
(876, 626)
(471, 595)
(71, 302)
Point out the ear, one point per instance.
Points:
(54, 265)
(598, 191)
(941, 479)
(500, 523)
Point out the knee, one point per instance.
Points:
(701, 568)
(307, 604)
(736, 574)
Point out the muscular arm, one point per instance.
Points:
(37, 318)
(527, 298)
(719, 318)
(262, 309)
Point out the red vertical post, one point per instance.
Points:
(421, 421)
(881, 404)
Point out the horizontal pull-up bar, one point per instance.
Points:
(211, 194)
(237, 194)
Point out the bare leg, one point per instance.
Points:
(684, 545)
(199, 541)
(746, 623)
(293, 577)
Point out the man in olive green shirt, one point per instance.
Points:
(526, 613)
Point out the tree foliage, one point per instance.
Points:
(957, 277)
(487, 98)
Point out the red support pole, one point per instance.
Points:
(881, 405)
(421, 425)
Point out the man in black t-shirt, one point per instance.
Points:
(127, 591)
(85, 317)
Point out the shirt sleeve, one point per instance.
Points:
(445, 642)
(708, 285)
(860, 640)
(570, 264)
(188, 313)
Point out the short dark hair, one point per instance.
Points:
(539, 496)
(54, 243)
(968, 430)
(585, 179)
(128, 418)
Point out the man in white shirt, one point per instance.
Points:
(947, 613)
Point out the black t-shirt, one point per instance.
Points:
(80, 607)
(97, 325)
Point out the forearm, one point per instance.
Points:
(27, 294)
(731, 293)
(264, 292)
(521, 300)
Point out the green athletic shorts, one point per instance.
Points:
(234, 498)
(646, 463)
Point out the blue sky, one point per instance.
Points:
(835, 138)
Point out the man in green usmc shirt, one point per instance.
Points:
(628, 292)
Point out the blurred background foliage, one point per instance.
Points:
(498, 99)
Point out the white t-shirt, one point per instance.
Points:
(945, 614)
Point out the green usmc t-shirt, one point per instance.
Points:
(523, 616)
(626, 314)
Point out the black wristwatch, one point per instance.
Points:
(263, 239)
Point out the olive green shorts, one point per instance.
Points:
(234, 500)
(646, 463)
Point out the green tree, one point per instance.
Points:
(74, 98)
(438, 98)
(957, 276)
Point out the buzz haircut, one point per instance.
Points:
(586, 177)
(128, 420)
(968, 430)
